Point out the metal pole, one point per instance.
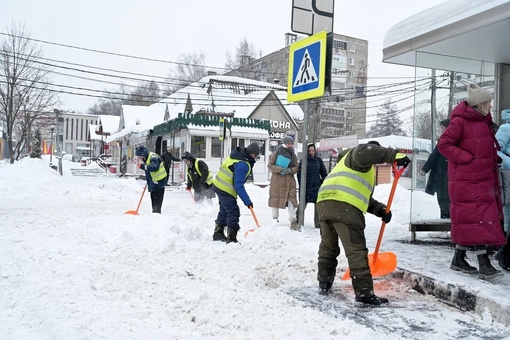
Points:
(304, 166)
(51, 145)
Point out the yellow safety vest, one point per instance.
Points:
(347, 185)
(209, 178)
(156, 175)
(224, 179)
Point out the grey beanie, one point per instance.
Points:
(477, 95)
(287, 140)
(253, 148)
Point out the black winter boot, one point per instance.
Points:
(371, 300)
(325, 286)
(219, 233)
(459, 262)
(486, 270)
(232, 235)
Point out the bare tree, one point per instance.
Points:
(238, 64)
(190, 68)
(145, 94)
(25, 90)
(423, 123)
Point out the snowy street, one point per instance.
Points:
(74, 266)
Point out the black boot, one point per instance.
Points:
(371, 300)
(459, 262)
(486, 270)
(219, 233)
(232, 235)
(325, 286)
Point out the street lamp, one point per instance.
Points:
(51, 144)
(59, 121)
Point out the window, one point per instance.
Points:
(352, 48)
(237, 142)
(349, 115)
(198, 146)
(349, 127)
(340, 45)
(352, 61)
(216, 147)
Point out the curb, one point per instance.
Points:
(461, 298)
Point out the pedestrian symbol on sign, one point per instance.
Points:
(307, 72)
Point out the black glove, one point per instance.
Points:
(402, 160)
(385, 216)
(250, 206)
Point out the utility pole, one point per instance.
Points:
(452, 86)
(433, 109)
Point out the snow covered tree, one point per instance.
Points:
(388, 122)
(36, 147)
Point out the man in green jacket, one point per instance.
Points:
(344, 198)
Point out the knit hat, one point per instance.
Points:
(188, 156)
(505, 114)
(287, 140)
(253, 148)
(477, 95)
(141, 151)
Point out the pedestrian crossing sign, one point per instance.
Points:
(307, 68)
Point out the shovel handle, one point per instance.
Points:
(396, 175)
(254, 217)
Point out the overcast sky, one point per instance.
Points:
(162, 29)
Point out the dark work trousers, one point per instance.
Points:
(229, 210)
(157, 200)
(354, 243)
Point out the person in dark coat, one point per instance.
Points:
(476, 210)
(315, 174)
(228, 184)
(167, 158)
(437, 183)
(199, 178)
(155, 175)
(344, 199)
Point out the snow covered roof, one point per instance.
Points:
(455, 35)
(93, 134)
(107, 124)
(142, 117)
(229, 94)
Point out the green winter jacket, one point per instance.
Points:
(361, 158)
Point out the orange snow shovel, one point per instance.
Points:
(382, 264)
(256, 222)
(135, 212)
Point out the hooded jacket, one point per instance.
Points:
(198, 173)
(241, 169)
(475, 204)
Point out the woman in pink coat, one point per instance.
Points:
(476, 210)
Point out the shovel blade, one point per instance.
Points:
(385, 264)
(132, 212)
